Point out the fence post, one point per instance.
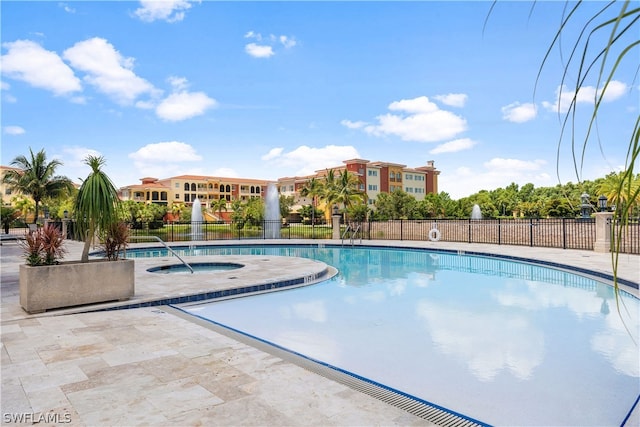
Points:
(335, 224)
(603, 232)
(530, 231)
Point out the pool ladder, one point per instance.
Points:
(351, 232)
(166, 246)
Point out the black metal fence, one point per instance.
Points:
(565, 233)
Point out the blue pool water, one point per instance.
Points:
(503, 342)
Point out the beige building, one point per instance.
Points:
(186, 188)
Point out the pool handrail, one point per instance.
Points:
(166, 246)
(354, 232)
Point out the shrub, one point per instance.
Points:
(115, 240)
(44, 246)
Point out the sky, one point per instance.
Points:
(266, 90)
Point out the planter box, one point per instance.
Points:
(75, 283)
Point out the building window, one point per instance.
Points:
(373, 187)
(372, 173)
(177, 185)
(154, 195)
(186, 186)
(193, 186)
(177, 196)
(408, 176)
(186, 197)
(361, 187)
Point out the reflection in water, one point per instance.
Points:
(486, 342)
(460, 331)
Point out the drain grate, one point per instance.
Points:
(422, 409)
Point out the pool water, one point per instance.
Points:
(503, 342)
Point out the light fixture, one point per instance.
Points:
(602, 203)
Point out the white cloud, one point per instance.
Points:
(75, 156)
(453, 99)
(287, 42)
(513, 165)
(259, 51)
(495, 173)
(13, 130)
(4, 85)
(306, 160)
(178, 83)
(184, 105)
(170, 152)
(107, 70)
(519, 113)
(273, 153)
(265, 48)
(165, 10)
(29, 62)
(67, 8)
(353, 125)
(454, 146)
(422, 121)
(225, 173)
(586, 95)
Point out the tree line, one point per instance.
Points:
(39, 190)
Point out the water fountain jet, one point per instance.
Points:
(272, 213)
(196, 220)
(476, 213)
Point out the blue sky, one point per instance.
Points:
(273, 89)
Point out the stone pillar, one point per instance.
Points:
(603, 232)
(65, 227)
(335, 222)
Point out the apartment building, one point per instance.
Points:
(5, 191)
(186, 188)
(374, 177)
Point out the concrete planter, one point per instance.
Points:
(75, 283)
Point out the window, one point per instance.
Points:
(177, 196)
(186, 186)
(154, 195)
(361, 187)
(193, 186)
(177, 185)
(186, 197)
(408, 177)
(373, 173)
(373, 187)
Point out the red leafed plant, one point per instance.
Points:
(44, 246)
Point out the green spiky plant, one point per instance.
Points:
(96, 205)
(607, 41)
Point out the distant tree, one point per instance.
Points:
(36, 178)
(286, 203)
(219, 205)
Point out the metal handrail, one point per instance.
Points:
(166, 246)
(354, 232)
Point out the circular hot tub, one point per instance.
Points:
(199, 267)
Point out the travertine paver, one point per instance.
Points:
(148, 367)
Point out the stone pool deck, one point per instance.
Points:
(146, 366)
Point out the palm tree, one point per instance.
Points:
(313, 189)
(348, 191)
(36, 178)
(96, 206)
(219, 205)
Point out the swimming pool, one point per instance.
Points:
(503, 342)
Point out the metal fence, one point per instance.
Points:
(626, 238)
(565, 233)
